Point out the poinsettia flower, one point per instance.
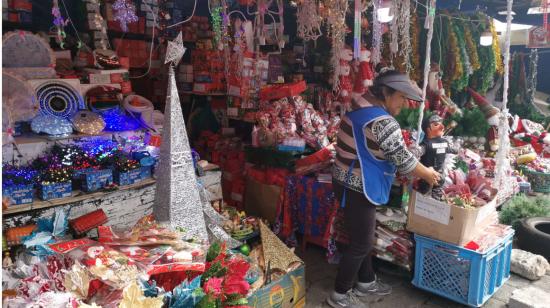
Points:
(214, 286)
(237, 268)
(234, 285)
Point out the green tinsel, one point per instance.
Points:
(472, 123)
(217, 25)
(464, 79)
(485, 75)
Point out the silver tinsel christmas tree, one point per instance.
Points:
(177, 199)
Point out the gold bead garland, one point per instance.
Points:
(496, 49)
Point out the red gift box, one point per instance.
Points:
(88, 221)
(280, 91)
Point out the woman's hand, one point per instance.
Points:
(432, 177)
(428, 174)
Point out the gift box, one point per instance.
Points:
(88, 221)
(281, 91)
(18, 194)
(127, 178)
(55, 190)
(96, 179)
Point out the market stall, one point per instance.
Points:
(168, 153)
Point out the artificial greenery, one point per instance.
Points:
(472, 123)
(408, 117)
(521, 206)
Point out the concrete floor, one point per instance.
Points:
(320, 280)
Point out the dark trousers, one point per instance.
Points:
(360, 223)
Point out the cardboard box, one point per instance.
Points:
(127, 178)
(445, 222)
(96, 179)
(18, 194)
(288, 291)
(55, 190)
(261, 199)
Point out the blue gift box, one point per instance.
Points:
(55, 190)
(18, 194)
(127, 178)
(145, 172)
(94, 180)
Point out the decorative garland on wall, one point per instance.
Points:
(471, 47)
(415, 55)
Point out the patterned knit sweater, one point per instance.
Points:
(384, 142)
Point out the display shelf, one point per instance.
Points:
(34, 138)
(77, 196)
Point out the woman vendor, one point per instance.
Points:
(370, 150)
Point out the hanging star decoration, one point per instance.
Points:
(125, 13)
(175, 50)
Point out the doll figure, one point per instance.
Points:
(492, 116)
(434, 149)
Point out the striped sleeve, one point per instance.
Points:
(387, 134)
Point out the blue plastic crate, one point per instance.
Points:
(460, 274)
(94, 180)
(55, 190)
(127, 178)
(18, 194)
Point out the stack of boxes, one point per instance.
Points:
(149, 9)
(96, 24)
(19, 11)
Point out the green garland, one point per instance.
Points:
(462, 82)
(485, 75)
(217, 25)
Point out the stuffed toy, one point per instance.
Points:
(364, 74)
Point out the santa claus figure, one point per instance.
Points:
(523, 131)
(364, 74)
(492, 116)
(344, 79)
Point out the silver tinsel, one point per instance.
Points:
(404, 25)
(177, 199)
(376, 34)
(532, 82)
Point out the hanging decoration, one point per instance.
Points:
(485, 75)
(532, 82)
(502, 161)
(125, 13)
(394, 32)
(336, 23)
(59, 22)
(415, 55)
(403, 20)
(357, 30)
(216, 14)
(308, 21)
(376, 34)
(463, 69)
(471, 47)
(496, 48)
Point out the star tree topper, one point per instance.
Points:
(175, 51)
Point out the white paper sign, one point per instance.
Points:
(432, 209)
